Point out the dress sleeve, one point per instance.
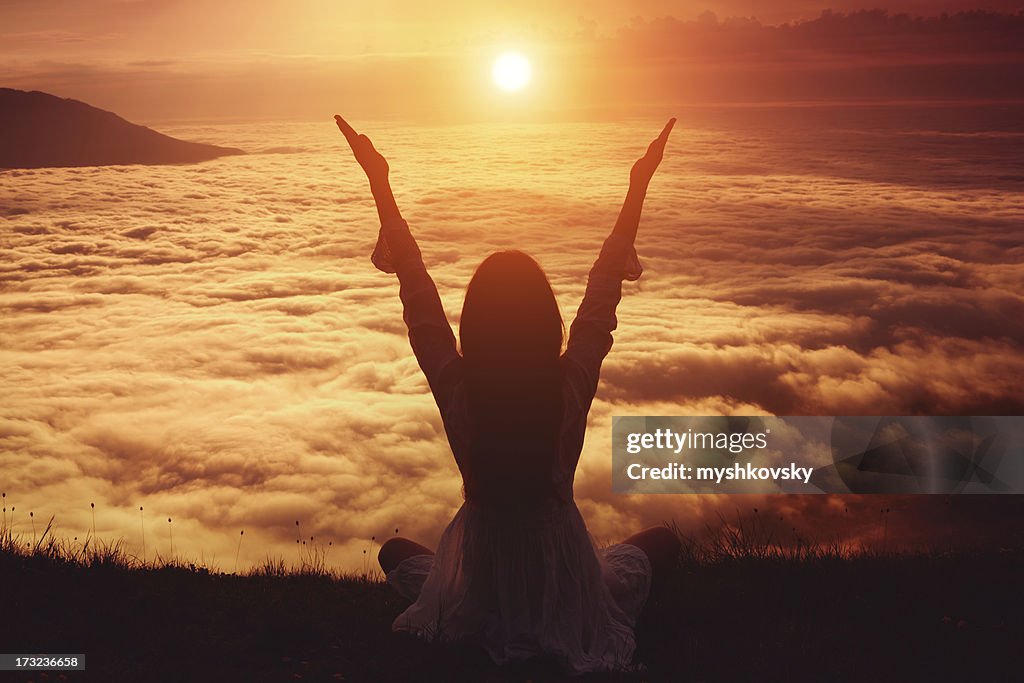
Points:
(590, 335)
(430, 335)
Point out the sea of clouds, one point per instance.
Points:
(211, 341)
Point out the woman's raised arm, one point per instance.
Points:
(590, 335)
(397, 252)
(639, 180)
(376, 168)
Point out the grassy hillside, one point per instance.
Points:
(737, 608)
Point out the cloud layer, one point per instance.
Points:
(210, 341)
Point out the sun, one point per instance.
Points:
(511, 71)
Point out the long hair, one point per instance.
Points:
(511, 336)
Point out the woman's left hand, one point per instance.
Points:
(373, 162)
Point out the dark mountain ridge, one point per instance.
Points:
(40, 130)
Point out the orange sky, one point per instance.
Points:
(166, 59)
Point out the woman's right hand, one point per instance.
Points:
(373, 162)
(644, 168)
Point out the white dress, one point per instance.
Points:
(537, 585)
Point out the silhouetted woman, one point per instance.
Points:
(516, 569)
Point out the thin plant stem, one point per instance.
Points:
(239, 549)
(142, 521)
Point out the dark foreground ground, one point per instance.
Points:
(815, 617)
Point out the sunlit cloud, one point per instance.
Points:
(211, 341)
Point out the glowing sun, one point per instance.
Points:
(511, 71)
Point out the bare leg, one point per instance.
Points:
(397, 549)
(661, 546)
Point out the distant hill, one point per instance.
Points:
(39, 130)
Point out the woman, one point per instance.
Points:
(516, 569)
